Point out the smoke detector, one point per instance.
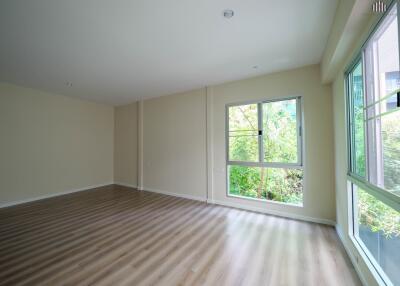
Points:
(228, 13)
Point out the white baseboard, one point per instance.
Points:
(240, 206)
(14, 203)
(273, 212)
(190, 197)
(350, 254)
(126, 185)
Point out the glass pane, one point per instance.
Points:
(387, 52)
(390, 135)
(274, 184)
(383, 80)
(387, 104)
(382, 61)
(284, 185)
(358, 120)
(378, 228)
(243, 148)
(280, 131)
(243, 118)
(243, 133)
(245, 181)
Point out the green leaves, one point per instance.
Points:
(280, 131)
(277, 184)
(377, 216)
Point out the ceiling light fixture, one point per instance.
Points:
(228, 13)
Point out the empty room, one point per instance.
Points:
(216, 143)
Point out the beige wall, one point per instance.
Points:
(174, 144)
(178, 130)
(52, 144)
(126, 145)
(319, 197)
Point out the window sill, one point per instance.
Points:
(362, 253)
(266, 201)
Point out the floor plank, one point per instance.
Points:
(118, 236)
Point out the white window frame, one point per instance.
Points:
(261, 162)
(354, 180)
(382, 194)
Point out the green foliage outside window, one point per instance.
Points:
(377, 216)
(358, 109)
(243, 133)
(391, 151)
(282, 185)
(280, 131)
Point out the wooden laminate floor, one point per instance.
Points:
(116, 236)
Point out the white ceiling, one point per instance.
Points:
(119, 51)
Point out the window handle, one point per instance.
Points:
(260, 132)
(398, 99)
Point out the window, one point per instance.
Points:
(376, 230)
(373, 86)
(243, 133)
(264, 153)
(357, 120)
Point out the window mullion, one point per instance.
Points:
(351, 122)
(348, 123)
(365, 111)
(260, 132)
(352, 138)
(299, 131)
